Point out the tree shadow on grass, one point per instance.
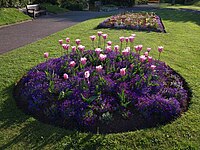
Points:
(176, 15)
(34, 134)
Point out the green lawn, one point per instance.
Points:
(195, 6)
(182, 52)
(11, 15)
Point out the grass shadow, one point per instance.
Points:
(34, 134)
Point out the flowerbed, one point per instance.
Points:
(145, 21)
(109, 89)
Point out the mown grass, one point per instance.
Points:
(195, 6)
(11, 15)
(53, 8)
(181, 42)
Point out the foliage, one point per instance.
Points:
(74, 5)
(53, 8)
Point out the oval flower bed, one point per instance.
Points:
(144, 21)
(111, 89)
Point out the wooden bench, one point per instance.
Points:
(35, 10)
(154, 1)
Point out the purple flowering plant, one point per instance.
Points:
(93, 90)
(145, 21)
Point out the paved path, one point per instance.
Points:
(18, 35)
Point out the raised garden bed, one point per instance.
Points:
(144, 21)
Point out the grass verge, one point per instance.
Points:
(11, 15)
(179, 6)
(181, 42)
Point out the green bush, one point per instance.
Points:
(74, 5)
(14, 3)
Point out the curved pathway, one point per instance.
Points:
(15, 36)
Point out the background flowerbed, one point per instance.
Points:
(143, 21)
(94, 90)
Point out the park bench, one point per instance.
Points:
(35, 10)
(154, 1)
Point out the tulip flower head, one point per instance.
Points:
(152, 67)
(136, 48)
(60, 42)
(102, 57)
(73, 48)
(116, 47)
(67, 40)
(140, 47)
(108, 48)
(99, 33)
(98, 51)
(123, 71)
(81, 48)
(46, 55)
(150, 59)
(148, 49)
(83, 60)
(146, 54)
(87, 74)
(109, 43)
(99, 68)
(93, 37)
(104, 36)
(78, 41)
(131, 39)
(72, 64)
(126, 51)
(65, 76)
(65, 46)
(126, 39)
(160, 49)
(142, 58)
(121, 39)
(134, 35)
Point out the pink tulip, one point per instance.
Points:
(73, 48)
(46, 55)
(81, 48)
(83, 60)
(131, 39)
(109, 43)
(148, 49)
(136, 48)
(72, 64)
(67, 40)
(152, 67)
(121, 39)
(150, 59)
(99, 68)
(98, 51)
(60, 41)
(142, 58)
(126, 39)
(102, 57)
(116, 47)
(108, 48)
(134, 35)
(65, 46)
(78, 41)
(99, 33)
(87, 74)
(104, 36)
(140, 47)
(123, 71)
(160, 48)
(146, 54)
(65, 76)
(93, 37)
(126, 51)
